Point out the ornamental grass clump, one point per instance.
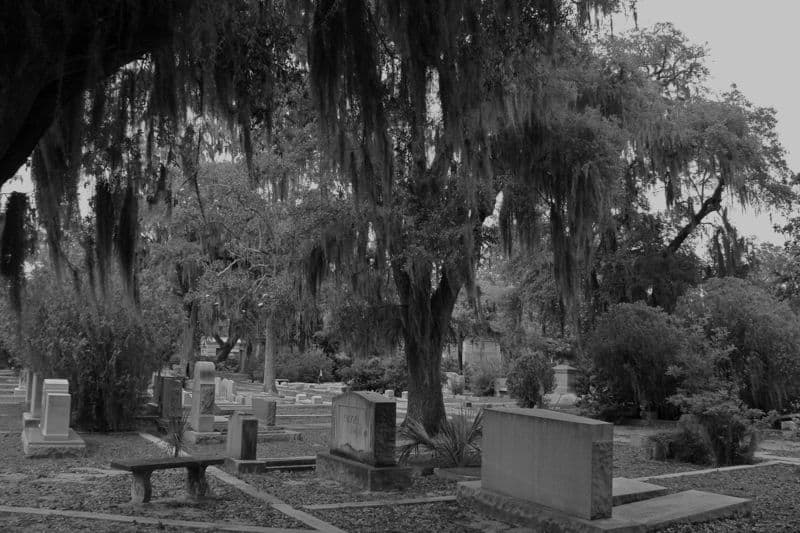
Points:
(176, 433)
(456, 444)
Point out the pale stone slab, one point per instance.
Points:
(34, 444)
(626, 490)
(242, 438)
(549, 458)
(689, 506)
(55, 424)
(265, 410)
(201, 418)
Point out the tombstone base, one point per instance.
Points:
(363, 476)
(650, 514)
(34, 444)
(204, 437)
(29, 420)
(20, 392)
(259, 466)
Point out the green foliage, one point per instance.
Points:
(685, 445)
(480, 376)
(530, 377)
(107, 351)
(456, 444)
(764, 362)
(304, 366)
(176, 432)
(631, 350)
(727, 427)
(377, 374)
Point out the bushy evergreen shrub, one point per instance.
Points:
(304, 366)
(105, 348)
(630, 351)
(530, 377)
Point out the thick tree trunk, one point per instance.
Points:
(425, 320)
(190, 340)
(270, 354)
(225, 347)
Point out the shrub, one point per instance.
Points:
(304, 366)
(530, 377)
(377, 374)
(107, 350)
(456, 444)
(631, 350)
(763, 332)
(686, 445)
(480, 376)
(728, 427)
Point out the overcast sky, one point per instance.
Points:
(751, 44)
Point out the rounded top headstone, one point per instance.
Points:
(204, 370)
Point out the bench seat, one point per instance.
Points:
(141, 486)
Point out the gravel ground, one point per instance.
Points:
(438, 517)
(632, 461)
(21, 523)
(775, 491)
(71, 483)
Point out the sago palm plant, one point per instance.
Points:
(456, 444)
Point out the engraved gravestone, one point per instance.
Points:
(363, 428)
(171, 397)
(202, 414)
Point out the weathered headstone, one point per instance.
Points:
(300, 397)
(389, 393)
(264, 410)
(52, 435)
(242, 438)
(55, 423)
(404, 395)
(565, 377)
(52, 385)
(21, 390)
(201, 419)
(549, 458)
(218, 392)
(362, 443)
(31, 417)
(316, 400)
(171, 397)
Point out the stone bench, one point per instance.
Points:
(141, 488)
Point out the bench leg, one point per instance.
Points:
(141, 489)
(196, 484)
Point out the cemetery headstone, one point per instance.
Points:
(389, 393)
(549, 458)
(362, 443)
(242, 438)
(316, 400)
(404, 395)
(52, 435)
(21, 390)
(201, 419)
(55, 424)
(300, 397)
(565, 376)
(265, 410)
(171, 397)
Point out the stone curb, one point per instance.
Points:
(711, 470)
(380, 503)
(213, 526)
